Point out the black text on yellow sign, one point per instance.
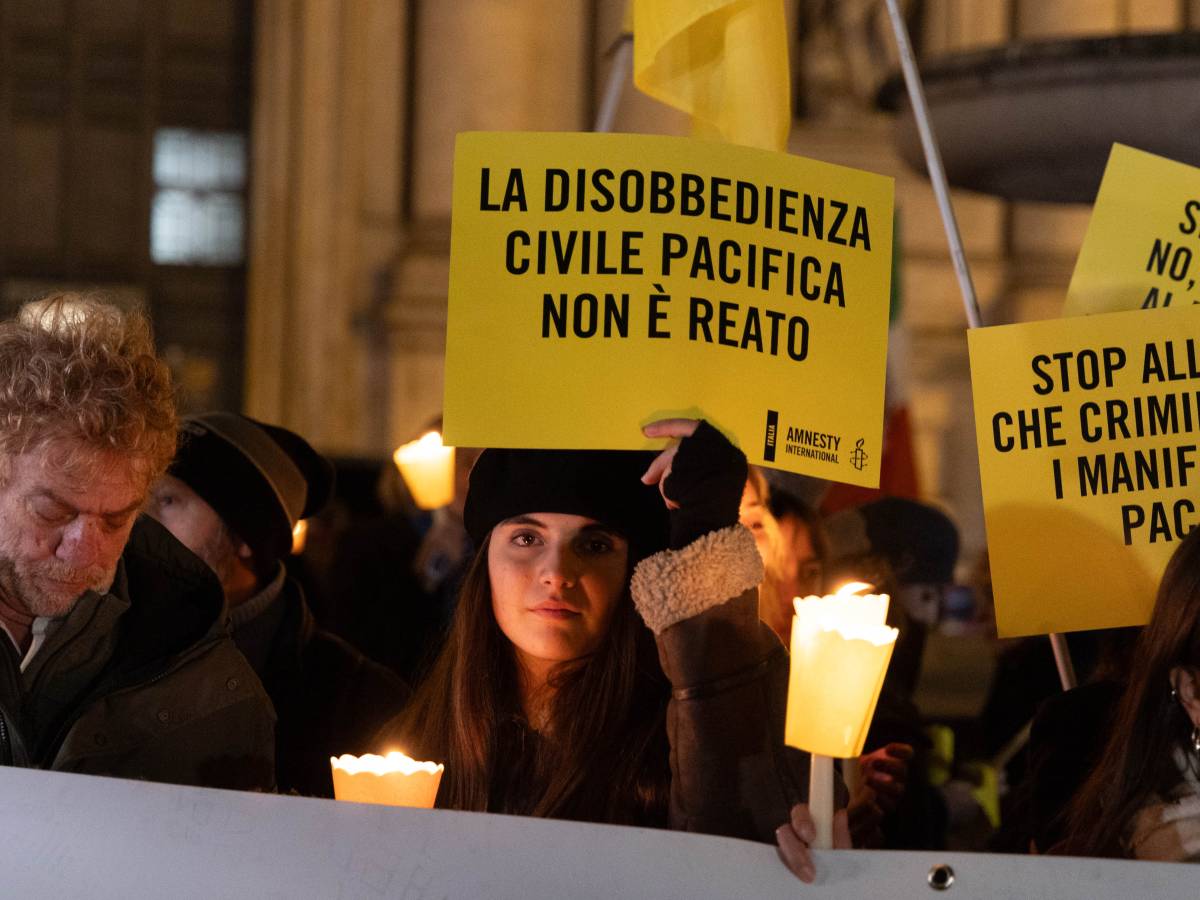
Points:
(657, 277)
(1088, 451)
(1142, 247)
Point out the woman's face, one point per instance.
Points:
(556, 580)
(752, 514)
(801, 558)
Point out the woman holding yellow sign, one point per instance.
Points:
(548, 698)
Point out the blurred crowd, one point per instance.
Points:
(592, 635)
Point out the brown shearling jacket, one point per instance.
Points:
(730, 771)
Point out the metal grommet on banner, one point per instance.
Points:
(941, 877)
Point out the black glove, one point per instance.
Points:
(707, 478)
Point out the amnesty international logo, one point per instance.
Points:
(858, 456)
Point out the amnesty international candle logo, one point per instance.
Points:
(858, 458)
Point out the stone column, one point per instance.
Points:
(350, 206)
(479, 65)
(325, 212)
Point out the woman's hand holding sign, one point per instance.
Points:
(700, 478)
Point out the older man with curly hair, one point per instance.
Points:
(117, 659)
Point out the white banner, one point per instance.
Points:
(77, 836)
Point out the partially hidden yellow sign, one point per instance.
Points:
(599, 282)
(1142, 247)
(1087, 432)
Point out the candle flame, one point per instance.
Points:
(299, 537)
(374, 764)
(851, 613)
(427, 446)
(852, 587)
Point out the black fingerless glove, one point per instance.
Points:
(707, 478)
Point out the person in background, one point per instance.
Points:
(1065, 741)
(792, 570)
(803, 547)
(792, 543)
(774, 603)
(446, 549)
(908, 550)
(115, 657)
(394, 575)
(233, 495)
(373, 599)
(1142, 800)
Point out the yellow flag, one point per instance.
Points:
(723, 61)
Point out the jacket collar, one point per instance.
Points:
(175, 600)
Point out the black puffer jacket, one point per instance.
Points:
(330, 699)
(142, 682)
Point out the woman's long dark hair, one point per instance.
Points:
(1138, 761)
(603, 756)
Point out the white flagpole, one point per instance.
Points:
(622, 63)
(941, 190)
(933, 162)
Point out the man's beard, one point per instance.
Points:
(49, 588)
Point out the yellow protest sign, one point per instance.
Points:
(1088, 455)
(599, 282)
(1142, 239)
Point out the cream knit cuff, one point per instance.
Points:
(674, 585)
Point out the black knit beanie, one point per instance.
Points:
(604, 485)
(919, 541)
(260, 479)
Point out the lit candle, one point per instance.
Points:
(840, 652)
(428, 469)
(393, 780)
(299, 537)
